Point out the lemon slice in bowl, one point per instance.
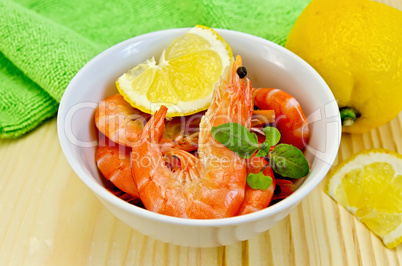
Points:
(183, 79)
(369, 185)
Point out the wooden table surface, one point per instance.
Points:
(49, 217)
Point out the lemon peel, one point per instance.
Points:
(355, 46)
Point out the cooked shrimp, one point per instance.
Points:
(123, 124)
(113, 161)
(290, 119)
(119, 121)
(211, 186)
(256, 199)
(284, 188)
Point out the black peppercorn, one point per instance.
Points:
(242, 72)
(277, 190)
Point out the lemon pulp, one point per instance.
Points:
(369, 185)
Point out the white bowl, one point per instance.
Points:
(268, 65)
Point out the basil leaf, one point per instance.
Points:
(259, 181)
(264, 150)
(272, 136)
(289, 161)
(261, 153)
(236, 138)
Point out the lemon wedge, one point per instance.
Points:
(369, 185)
(183, 79)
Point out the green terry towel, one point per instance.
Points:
(44, 43)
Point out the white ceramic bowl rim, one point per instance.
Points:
(288, 202)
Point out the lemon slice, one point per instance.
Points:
(183, 79)
(369, 185)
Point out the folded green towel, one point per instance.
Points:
(43, 43)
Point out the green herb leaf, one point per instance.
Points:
(237, 138)
(289, 161)
(272, 136)
(264, 150)
(259, 181)
(261, 152)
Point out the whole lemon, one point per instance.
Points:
(356, 46)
